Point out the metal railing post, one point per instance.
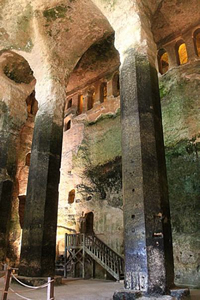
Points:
(83, 272)
(65, 258)
(7, 283)
(50, 289)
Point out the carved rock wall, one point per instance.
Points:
(180, 107)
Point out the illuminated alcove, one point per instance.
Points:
(181, 53)
(80, 104)
(163, 61)
(71, 196)
(197, 41)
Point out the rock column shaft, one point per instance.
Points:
(40, 223)
(148, 242)
(6, 186)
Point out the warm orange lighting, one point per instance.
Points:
(105, 92)
(71, 197)
(164, 63)
(80, 104)
(197, 40)
(182, 52)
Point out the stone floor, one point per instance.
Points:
(77, 289)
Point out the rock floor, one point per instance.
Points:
(76, 289)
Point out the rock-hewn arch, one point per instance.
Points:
(181, 52)
(163, 61)
(196, 37)
(17, 83)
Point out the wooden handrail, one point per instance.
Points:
(92, 237)
(103, 247)
(111, 256)
(99, 251)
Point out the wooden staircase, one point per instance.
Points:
(78, 246)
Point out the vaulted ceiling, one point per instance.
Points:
(169, 18)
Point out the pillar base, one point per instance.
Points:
(133, 295)
(37, 281)
(179, 293)
(175, 294)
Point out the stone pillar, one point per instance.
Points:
(13, 113)
(6, 186)
(85, 102)
(40, 221)
(190, 46)
(147, 229)
(109, 89)
(97, 94)
(170, 48)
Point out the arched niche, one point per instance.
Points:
(163, 61)
(115, 85)
(181, 52)
(71, 196)
(90, 99)
(87, 223)
(32, 104)
(196, 37)
(103, 92)
(67, 125)
(16, 67)
(80, 104)
(28, 159)
(69, 103)
(18, 78)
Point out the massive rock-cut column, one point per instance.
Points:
(40, 222)
(148, 242)
(147, 229)
(6, 185)
(13, 113)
